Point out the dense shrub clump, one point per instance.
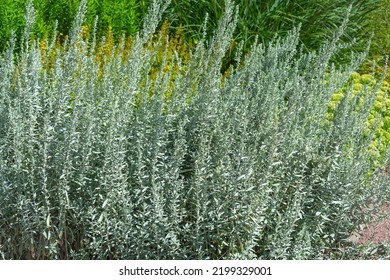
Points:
(109, 158)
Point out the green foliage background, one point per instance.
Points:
(122, 15)
(264, 19)
(379, 22)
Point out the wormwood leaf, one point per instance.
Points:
(105, 203)
(337, 202)
(48, 221)
(101, 218)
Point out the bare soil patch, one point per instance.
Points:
(377, 231)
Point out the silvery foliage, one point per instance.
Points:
(104, 166)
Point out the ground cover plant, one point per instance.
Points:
(103, 157)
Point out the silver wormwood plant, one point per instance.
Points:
(98, 160)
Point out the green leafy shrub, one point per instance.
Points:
(378, 119)
(241, 166)
(124, 16)
(11, 17)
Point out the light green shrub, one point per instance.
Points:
(378, 119)
(93, 166)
